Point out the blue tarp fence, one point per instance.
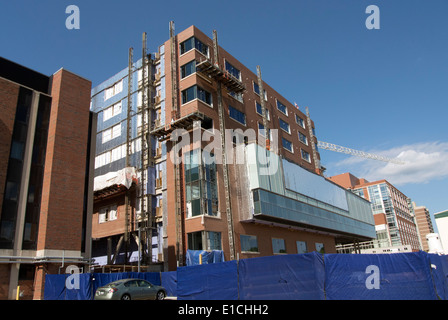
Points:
(309, 276)
(64, 287)
(213, 256)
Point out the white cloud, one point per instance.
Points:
(423, 162)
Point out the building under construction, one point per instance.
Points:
(263, 194)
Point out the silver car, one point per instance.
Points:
(130, 289)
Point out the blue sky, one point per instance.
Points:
(381, 91)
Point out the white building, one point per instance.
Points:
(441, 219)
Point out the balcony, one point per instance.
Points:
(213, 71)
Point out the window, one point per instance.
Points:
(301, 247)
(112, 111)
(204, 96)
(300, 121)
(303, 138)
(131, 284)
(257, 90)
(201, 185)
(191, 43)
(249, 243)
(111, 133)
(196, 92)
(188, 69)
(118, 153)
(195, 240)
(232, 70)
(113, 90)
(320, 247)
(260, 110)
(213, 240)
(305, 155)
(282, 107)
(261, 131)
(287, 144)
(107, 214)
(11, 191)
(17, 150)
(278, 246)
(284, 125)
(237, 95)
(237, 115)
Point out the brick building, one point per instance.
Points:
(424, 224)
(392, 210)
(197, 90)
(45, 207)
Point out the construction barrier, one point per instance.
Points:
(284, 277)
(315, 276)
(83, 286)
(216, 281)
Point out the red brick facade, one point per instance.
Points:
(219, 224)
(64, 177)
(63, 188)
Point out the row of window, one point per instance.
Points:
(113, 90)
(250, 244)
(107, 214)
(116, 153)
(289, 146)
(190, 68)
(196, 92)
(210, 240)
(111, 133)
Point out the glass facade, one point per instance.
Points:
(381, 202)
(191, 43)
(196, 92)
(15, 168)
(13, 187)
(36, 174)
(201, 185)
(268, 204)
(188, 69)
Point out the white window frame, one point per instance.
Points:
(111, 133)
(106, 214)
(113, 90)
(309, 156)
(286, 108)
(304, 135)
(303, 121)
(268, 117)
(292, 146)
(289, 126)
(112, 111)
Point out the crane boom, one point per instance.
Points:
(336, 148)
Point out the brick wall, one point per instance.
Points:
(64, 177)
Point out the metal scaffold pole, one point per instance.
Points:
(177, 166)
(230, 228)
(128, 152)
